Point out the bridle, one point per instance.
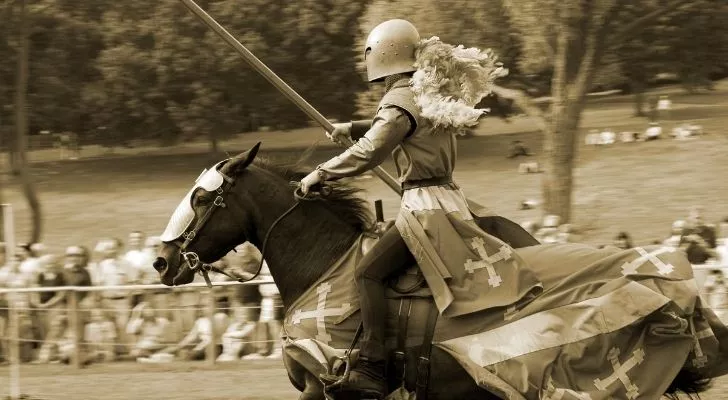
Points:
(192, 259)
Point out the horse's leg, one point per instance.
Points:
(314, 389)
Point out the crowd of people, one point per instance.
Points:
(156, 325)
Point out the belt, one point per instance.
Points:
(418, 183)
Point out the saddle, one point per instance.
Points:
(407, 286)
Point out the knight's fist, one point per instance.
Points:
(341, 131)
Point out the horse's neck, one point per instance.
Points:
(303, 245)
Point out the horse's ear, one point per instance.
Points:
(241, 161)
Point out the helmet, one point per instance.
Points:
(390, 49)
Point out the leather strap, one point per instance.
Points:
(405, 306)
(423, 364)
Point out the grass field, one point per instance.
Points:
(637, 187)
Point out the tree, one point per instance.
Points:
(573, 37)
(21, 123)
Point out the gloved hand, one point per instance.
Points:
(311, 179)
(341, 130)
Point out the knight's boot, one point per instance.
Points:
(367, 380)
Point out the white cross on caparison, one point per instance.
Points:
(620, 372)
(555, 393)
(320, 313)
(487, 261)
(700, 359)
(645, 257)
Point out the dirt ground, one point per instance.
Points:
(637, 187)
(251, 380)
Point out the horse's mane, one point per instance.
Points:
(344, 201)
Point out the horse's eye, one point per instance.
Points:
(202, 200)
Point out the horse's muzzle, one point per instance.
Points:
(160, 264)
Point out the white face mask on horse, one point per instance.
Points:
(211, 180)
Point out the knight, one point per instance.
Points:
(431, 90)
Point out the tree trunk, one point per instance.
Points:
(21, 125)
(638, 89)
(574, 68)
(214, 142)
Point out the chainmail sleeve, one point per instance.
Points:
(390, 127)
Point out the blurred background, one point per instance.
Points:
(611, 129)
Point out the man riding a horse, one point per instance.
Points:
(521, 320)
(418, 124)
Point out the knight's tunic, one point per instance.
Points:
(467, 269)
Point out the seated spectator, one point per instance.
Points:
(608, 137)
(237, 341)
(593, 138)
(531, 227)
(194, 344)
(653, 132)
(566, 234)
(622, 241)
(529, 204)
(150, 331)
(628, 137)
(550, 229)
(50, 349)
(518, 149)
(100, 337)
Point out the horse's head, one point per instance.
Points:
(207, 224)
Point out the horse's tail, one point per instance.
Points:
(688, 382)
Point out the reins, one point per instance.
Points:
(193, 260)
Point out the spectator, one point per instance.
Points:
(150, 331)
(29, 264)
(622, 241)
(676, 234)
(269, 323)
(114, 272)
(696, 249)
(697, 225)
(198, 338)
(12, 277)
(664, 107)
(50, 306)
(237, 339)
(75, 270)
(608, 137)
(593, 138)
(716, 293)
(100, 336)
(653, 132)
(518, 149)
(549, 232)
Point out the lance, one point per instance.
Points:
(279, 84)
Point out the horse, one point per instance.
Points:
(254, 201)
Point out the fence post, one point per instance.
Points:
(14, 351)
(210, 354)
(75, 326)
